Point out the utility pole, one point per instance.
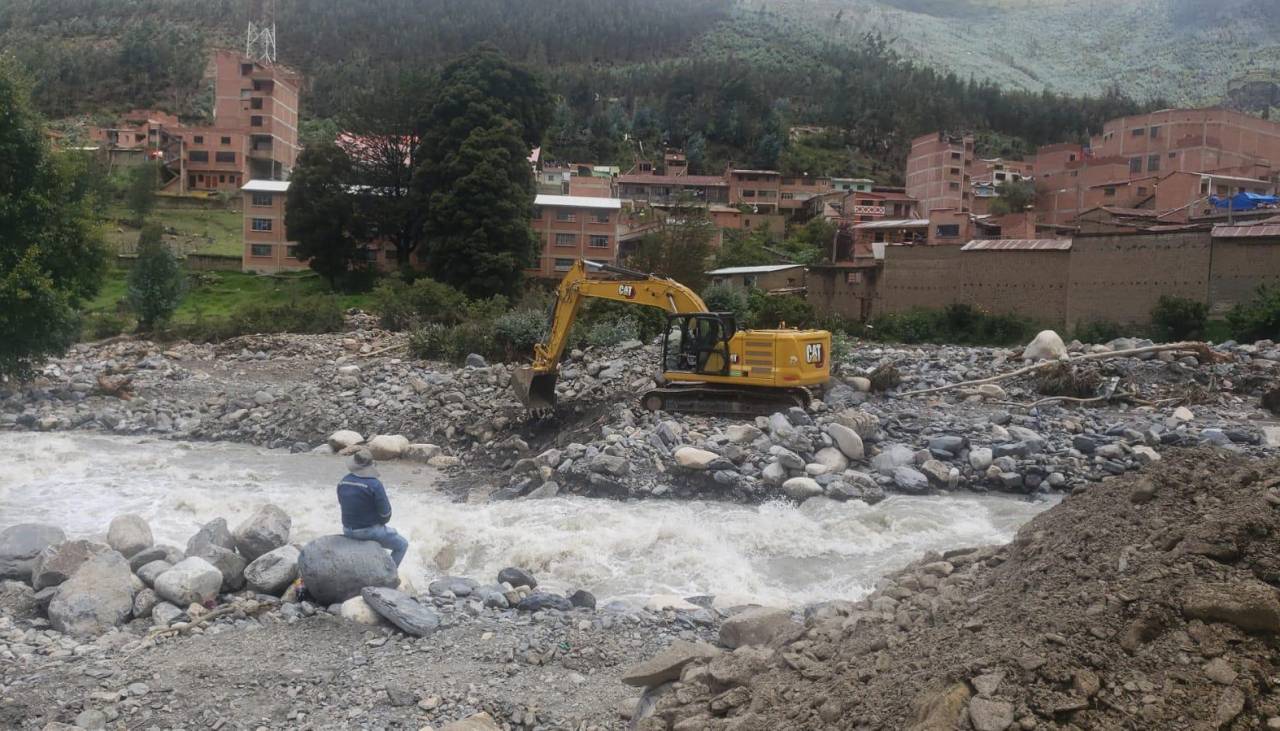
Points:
(260, 39)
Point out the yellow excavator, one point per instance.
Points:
(708, 364)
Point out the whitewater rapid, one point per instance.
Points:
(777, 553)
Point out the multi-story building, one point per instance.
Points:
(796, 192)
(266, 244)
(759, 189)
(668, 189)
(939, 171)
(572, 228)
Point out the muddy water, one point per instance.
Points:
(775, 553)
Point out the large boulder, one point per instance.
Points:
(18, 600)
(57, 563)
(517, 577)
(387, 446)
(215, 533)
(335, 568)
(20, 544)
(129, 534)
(1250, 605)
(402, 610)
(833, 459)
(228, 563)
(801, 488)
(98, 597)
(693, 458)
(266, 530)
(1047, 345)
(847, 440)
(344, 438)
(756, 627)
(192, 581)
(169, 554)
(476, 722)
(273, 571)
(667, 665)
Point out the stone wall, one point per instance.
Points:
(1119, 277)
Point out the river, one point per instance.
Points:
(776, 553)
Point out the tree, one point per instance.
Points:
(474, 171)
(811, 242)
(746, 249)
(679, 247)
(156, 282)
(141, 193)
(1015, 196)
(51, 257)
(320, 213)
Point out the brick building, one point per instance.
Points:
(266, 245)
(940, 170)
(574, 227)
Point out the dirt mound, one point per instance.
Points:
(1144, 602)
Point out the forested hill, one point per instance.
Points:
(725, 78)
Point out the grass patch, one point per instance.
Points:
(188, 230)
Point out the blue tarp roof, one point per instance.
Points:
(1244, 201)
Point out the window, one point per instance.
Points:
(198, 139)
(564, 265)
(955, 156)
(262, 224)
(537, 214)
(246, 69)
(746, 223)
(1001, 176)
(292, 252)
(229, 157)
(198, 156)
(566, 239)
(567, 216)
(1139, 131)
(953, 186)
(948, 230)
(1071, 157)
(260, 250)
(261, 199)
(255, 103)
(226, 140)
(1155, 132)
(788, 196)
(1135, 164)
(599, 217)
(222, 178)
(255, 121)
(599, 242)
(766, 193)
(1153, 163)
(748, 193)
(749, 280)
(853, 277)
(1142, 191)
(1109, 192)
(1172, 155)
(955, 171)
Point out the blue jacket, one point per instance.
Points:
(363, 501)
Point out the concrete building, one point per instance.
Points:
(759, 189)
(769, 277)
(850, 185)
(650, 189)
(572, 228)
(266, 245)
(794, 193)
(939, 171)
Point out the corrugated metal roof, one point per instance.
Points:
(577, 201)
(895, 223)
(1270, 230)
(1018, 245)
(703, 180)
(765, 269)
(267, 186)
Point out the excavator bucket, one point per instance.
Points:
(537, 391)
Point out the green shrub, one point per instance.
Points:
(402, 306)
(605, 333)
(1178, 318)
(956, 325)
(515, 333)
(1258, 319)
(313, 314)
(433, 341)
(649, 321)
(842, 346)
(727, 298)
(769, 311)
(99, 325)
(1098, 331)
(488, 309)
(475, 337)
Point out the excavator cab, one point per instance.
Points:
(698, 342)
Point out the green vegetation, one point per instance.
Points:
(140, 196)
(753, 308)
(156, 282)
(1258, 319)
(678, 248)
(1178, 318)
(200, 230)
(1099, 331)
(1015, 196)
(957, 324)
(51, 257)
(320, 213)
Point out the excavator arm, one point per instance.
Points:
(535, 384)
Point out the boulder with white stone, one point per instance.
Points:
(335, 568)
(55, 564)
(98, 597)
(129, 534)
(273, 571)
(357, 610)
(693, 458)
(758, 626)
(831, 458)
(847, 440)
(344, 438)
(192, 581)
(420, 452)
(1047, 345)
(265, 530)
(801, 488)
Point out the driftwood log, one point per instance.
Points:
(1201, 350)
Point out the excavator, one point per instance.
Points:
(708, 364)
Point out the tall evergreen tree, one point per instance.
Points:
(51, 256)
(320, 213)
(474, 170)
(156, 282)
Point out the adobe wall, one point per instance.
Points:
(1119, 277)
(918, 276)
(1240, 266)
(1031, 284)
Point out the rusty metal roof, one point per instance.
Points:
(1257, 231)
(1018, 245)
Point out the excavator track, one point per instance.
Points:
(708, 398)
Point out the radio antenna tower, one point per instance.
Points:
(260, 40)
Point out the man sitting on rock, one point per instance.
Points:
(365, 507)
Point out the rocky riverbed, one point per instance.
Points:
(862, 439)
